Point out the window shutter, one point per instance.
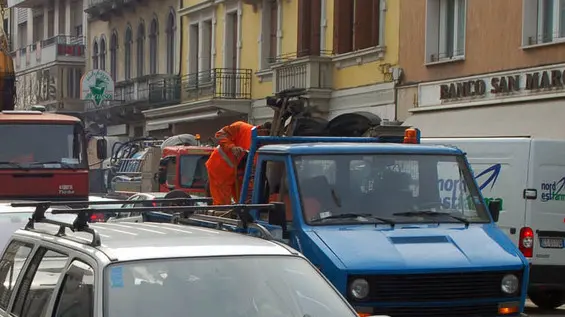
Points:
(363, 24)
(304, 14)
(376, 23)
(274, 11)
(343, 27)
(315, 21)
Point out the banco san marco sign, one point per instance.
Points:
(513, 84)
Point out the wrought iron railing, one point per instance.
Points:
(218, 83)
(154, 89)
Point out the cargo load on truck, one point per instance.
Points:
(151, 165)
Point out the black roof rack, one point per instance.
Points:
(179, 214)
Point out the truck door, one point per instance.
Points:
(546, 214)
(500, 167)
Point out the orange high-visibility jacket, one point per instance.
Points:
(222, 160)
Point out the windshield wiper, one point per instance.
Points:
(63, 165)
(353, 215)
(430, 213)
(14, 164)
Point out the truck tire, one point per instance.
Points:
(352, 124)
(547, 299)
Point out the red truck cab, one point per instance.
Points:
(184, 168)
(43, 156)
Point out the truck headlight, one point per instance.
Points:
(510, 284)
(359, 288)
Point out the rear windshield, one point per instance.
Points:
(221, 286)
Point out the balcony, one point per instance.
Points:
(313, 73)
(61, 48)
(104, 9)
(151, 90)
(217, 83)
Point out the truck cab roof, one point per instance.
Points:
(356, 148)
(36, 116)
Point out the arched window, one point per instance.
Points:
(140, 49)
(103, 53)
(114, 55)
(171, 27)
(153, 31)
(95, 54)
(127, 53)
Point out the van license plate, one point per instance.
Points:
(551, 243)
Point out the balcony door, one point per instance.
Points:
(230, 74)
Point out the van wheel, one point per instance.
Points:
(547, 299)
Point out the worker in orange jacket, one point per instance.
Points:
(234, 140)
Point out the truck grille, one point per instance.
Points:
(459, 311)
(407, 288)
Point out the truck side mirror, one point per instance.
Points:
(102, 149)
(162, 173)
(277, 215)
(494, 207)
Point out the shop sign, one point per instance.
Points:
(96, 86)
(509, 85)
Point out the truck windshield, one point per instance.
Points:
(340, 189)
(193, 172)
(32, 145)
(220, 286)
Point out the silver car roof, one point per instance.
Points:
(141, 241)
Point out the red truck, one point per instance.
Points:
(44, 156)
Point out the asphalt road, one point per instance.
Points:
(533, 311)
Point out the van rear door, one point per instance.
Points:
(500, 166)
(546, 214)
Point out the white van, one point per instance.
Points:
(528, 177)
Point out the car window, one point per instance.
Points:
(77, 294)
(11, 265)
(39, 282)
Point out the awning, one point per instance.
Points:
(540, 119)
(242, 106)
(186, 118)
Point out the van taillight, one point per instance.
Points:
(526, 243)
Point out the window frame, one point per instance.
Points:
(441, 46)
(557, 32)
(21, 274)
(61, 288)
(37, 256)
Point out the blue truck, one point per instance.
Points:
(368, 212)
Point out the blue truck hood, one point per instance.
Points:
(420, 248)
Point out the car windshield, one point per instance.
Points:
(193, 172)
(379, 188)
(37, 146)
(242, 286)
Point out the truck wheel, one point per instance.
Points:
(547, 299)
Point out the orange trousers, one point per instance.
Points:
(223, 188)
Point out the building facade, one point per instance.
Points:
(49, 48)
(236, 53)
(470, 71)
(137, 43)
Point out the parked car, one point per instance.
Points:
(101, 217)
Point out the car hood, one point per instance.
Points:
(420, 248)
